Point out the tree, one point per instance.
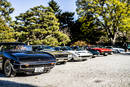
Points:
(90, 28)
(6, 33)
(65, 18)
(5, 10)
(76, 33)
(39, 25)
(109, 13)
(86, 30)
(55, 7)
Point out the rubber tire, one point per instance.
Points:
(64, 62)
(105, 54)
(11, 72)
(111, 53)
(93, 56)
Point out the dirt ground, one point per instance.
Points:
(108, 71)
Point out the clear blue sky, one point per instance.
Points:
(23, 5)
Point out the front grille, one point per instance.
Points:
(31, 59)
(40, 65)
(61, 55)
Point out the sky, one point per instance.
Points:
(22, 6)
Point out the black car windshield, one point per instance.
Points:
(77, 48)
(15, 48)
(66, 48)
(48, 48)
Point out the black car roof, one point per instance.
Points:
(12, 43)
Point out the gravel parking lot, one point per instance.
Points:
(108, 71)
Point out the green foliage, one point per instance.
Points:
(66, 19)
(39, 25)
(79, 43)
(55, 7)
(87, 30)
(110, 13)
(76, 33)
(91, 28)
(5, 10)
(6, 33)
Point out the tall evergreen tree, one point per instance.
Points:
(39, 25)
(6, 33)
(5, 10)
(55, 7)
(65, 18)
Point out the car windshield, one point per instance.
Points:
(57, 48)
(77, 48)
(15, 48)
(66, 48)
(48, 48)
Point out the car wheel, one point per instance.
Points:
(111, 53)
(105, 54)
(8, 71)
(72, 59)
(64, 62)
(93, 56)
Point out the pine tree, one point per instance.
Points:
(5, 10)
(6, 33)
(39, 25)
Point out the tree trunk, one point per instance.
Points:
(113, 40)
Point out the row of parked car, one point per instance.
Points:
(20, 58)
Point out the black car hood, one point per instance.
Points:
(32, 56)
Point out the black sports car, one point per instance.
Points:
(18, 57)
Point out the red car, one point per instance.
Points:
(103, 51)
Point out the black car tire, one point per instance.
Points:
(112, 53)
(8, 69)
(93, 56)
(64, 62)
(105, 54)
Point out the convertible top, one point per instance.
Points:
(12, 43)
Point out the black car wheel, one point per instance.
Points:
(64, 62)
(111, 53)
(93, 56)
(105, 54)
(8, 69)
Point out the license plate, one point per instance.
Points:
(39, 69)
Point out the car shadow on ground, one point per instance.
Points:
(18, 75)
(125, 53)
(4, 83)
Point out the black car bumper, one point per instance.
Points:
(31, 68)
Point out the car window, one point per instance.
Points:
(15, 48)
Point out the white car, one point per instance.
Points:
(116, 49)
(78, 55)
